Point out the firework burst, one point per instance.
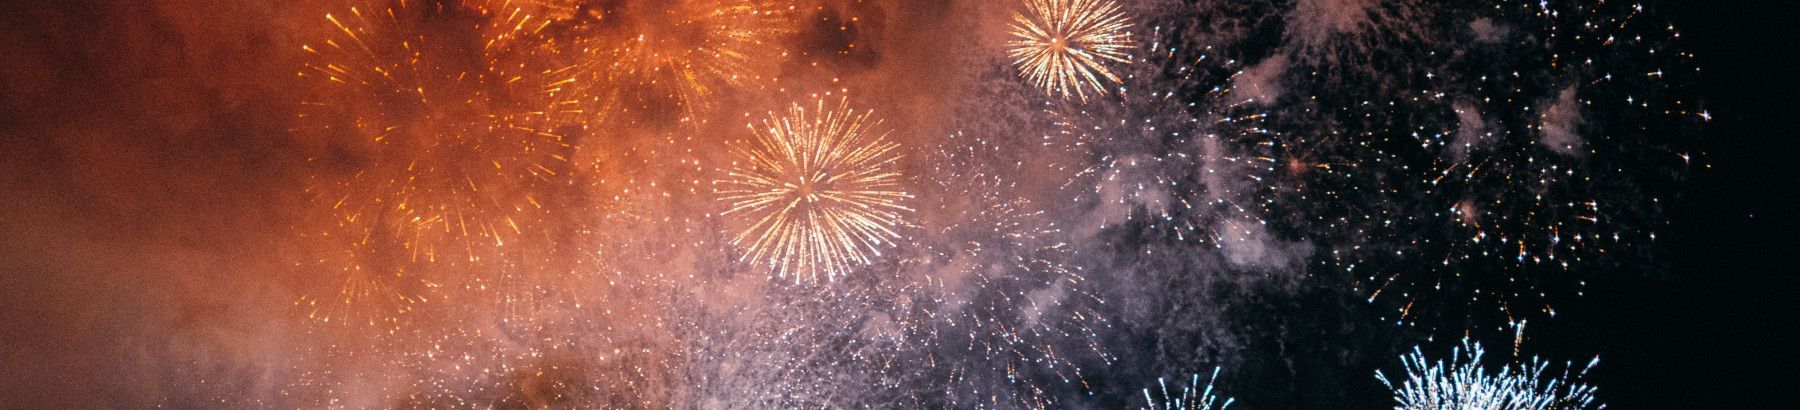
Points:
(431, 145)
(818, 191)
(1371, 45)
(1462, 383)
(989, 291)
(661, 58)
(1192, 396)
(701, 45)
(1063, 46)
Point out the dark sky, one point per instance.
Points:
(1706, 334)
(142, 199)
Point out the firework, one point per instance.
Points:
(664, 58)
(1529, 165)
(1192, 396)
(1176, 156)
(700, 45)
(372, 281)
(431, 145)
(818, 191)
(1462, 383)
(792, 346)
(988, 295)
(1063, 46)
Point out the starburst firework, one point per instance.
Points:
(1063, 46)
(818, 190)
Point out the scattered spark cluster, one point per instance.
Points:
(1526, 168)
(1176, 153)
(1462, 382)
(647, 60)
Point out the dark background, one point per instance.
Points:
(1708, 332)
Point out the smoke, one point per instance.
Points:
(154, 195)
(1487, 31)
(1261, 82)
(1473, 133)
(1560, 123)
(1315, 22)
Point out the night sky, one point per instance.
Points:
(893, 203)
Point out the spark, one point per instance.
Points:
(1173, 167)
(819, 191)
(990, 293)
(371, 282)
(1063, 46)
(1499, 218)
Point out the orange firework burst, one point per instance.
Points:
(1062, 46)
(431, 144)
(819, 191)
(666, 56)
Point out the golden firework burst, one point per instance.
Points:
(429, 142)
(818, 191)
(1063, 46)
(665, 58)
